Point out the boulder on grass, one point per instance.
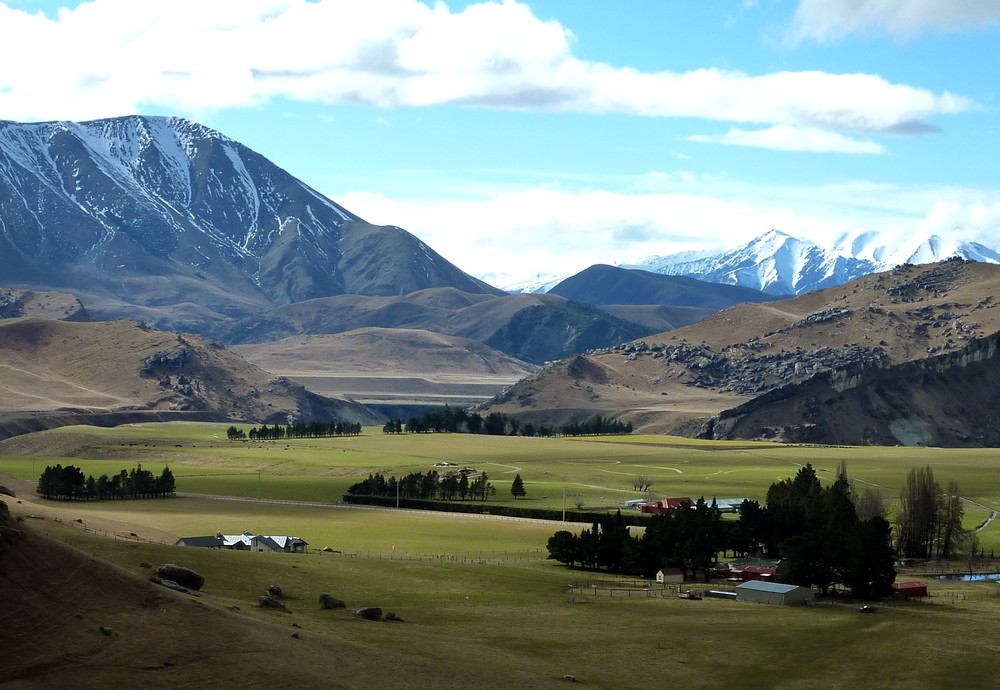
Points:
(185, 577)
(274, 590)
(392, 617)
(370, 613)
(328, 601)
(267, 602)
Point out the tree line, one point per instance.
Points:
(815, 530)
(69, 483)
(427, 486)
(930, 518)
(313, 429)
(448, 420)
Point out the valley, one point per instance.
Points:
(475, 593)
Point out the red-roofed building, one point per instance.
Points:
(665, 505)
(910, 589)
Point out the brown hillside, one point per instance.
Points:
(385, 352)
(53, 368)
(678, 380)
(56, 600)
(60, 306)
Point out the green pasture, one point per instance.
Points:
(561, 472)
(363, 531)
(512, 623)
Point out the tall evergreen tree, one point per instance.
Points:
(517, 487)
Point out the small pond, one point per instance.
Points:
(978, 577)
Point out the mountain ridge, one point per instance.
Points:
(169, 221)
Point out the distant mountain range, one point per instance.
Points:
(169, 222)
(780, 264)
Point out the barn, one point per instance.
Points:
(910, 589)
(773, 593)
(672, 576)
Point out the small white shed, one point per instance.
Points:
(670, 576)
(773, 593)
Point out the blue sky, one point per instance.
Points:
(521, 138)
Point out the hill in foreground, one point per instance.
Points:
(753, 355)
(105, 373)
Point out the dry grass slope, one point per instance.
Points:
(905, 315)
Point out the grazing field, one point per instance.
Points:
(512, 623)
(482, 606)
(596, 473)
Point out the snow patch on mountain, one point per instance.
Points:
(780, 264)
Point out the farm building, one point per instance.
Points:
(665, 505)
(248, 541)
(728, 505)
(773, 593)
(746, 573)
(910, 589)
(672, 576)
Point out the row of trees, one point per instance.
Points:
(815, 530)
(313, 429)
(448, 420)
(930, 519)
(427, 486)
(69, 483)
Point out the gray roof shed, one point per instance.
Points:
(758, 592)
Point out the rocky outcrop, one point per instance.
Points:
(185, 577)
(950, 400)
(328, 601)
(267, 602)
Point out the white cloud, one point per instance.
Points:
(826, 20)
(789, 138)
(115, 57)
(557, 232)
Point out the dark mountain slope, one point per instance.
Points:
(601, 285)
(534, 328)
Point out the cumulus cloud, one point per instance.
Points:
(826, 20)
(789, 138)
(114, 57)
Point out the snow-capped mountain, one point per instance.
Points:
(167, 220)
(780, 264)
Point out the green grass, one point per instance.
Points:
(478, 594)
(514, 617)
(557, 472)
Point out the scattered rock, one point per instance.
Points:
(327, 601)
(392, 617)
(105, 630)
(267, 602)
(370, 613)
(274, 590)
(181, 575)
(169, 584)
(295, 635)
(10, 535)
(571, 678)
(145, 565)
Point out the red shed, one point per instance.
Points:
(749, 573)
(665, 505)
(910, 589)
